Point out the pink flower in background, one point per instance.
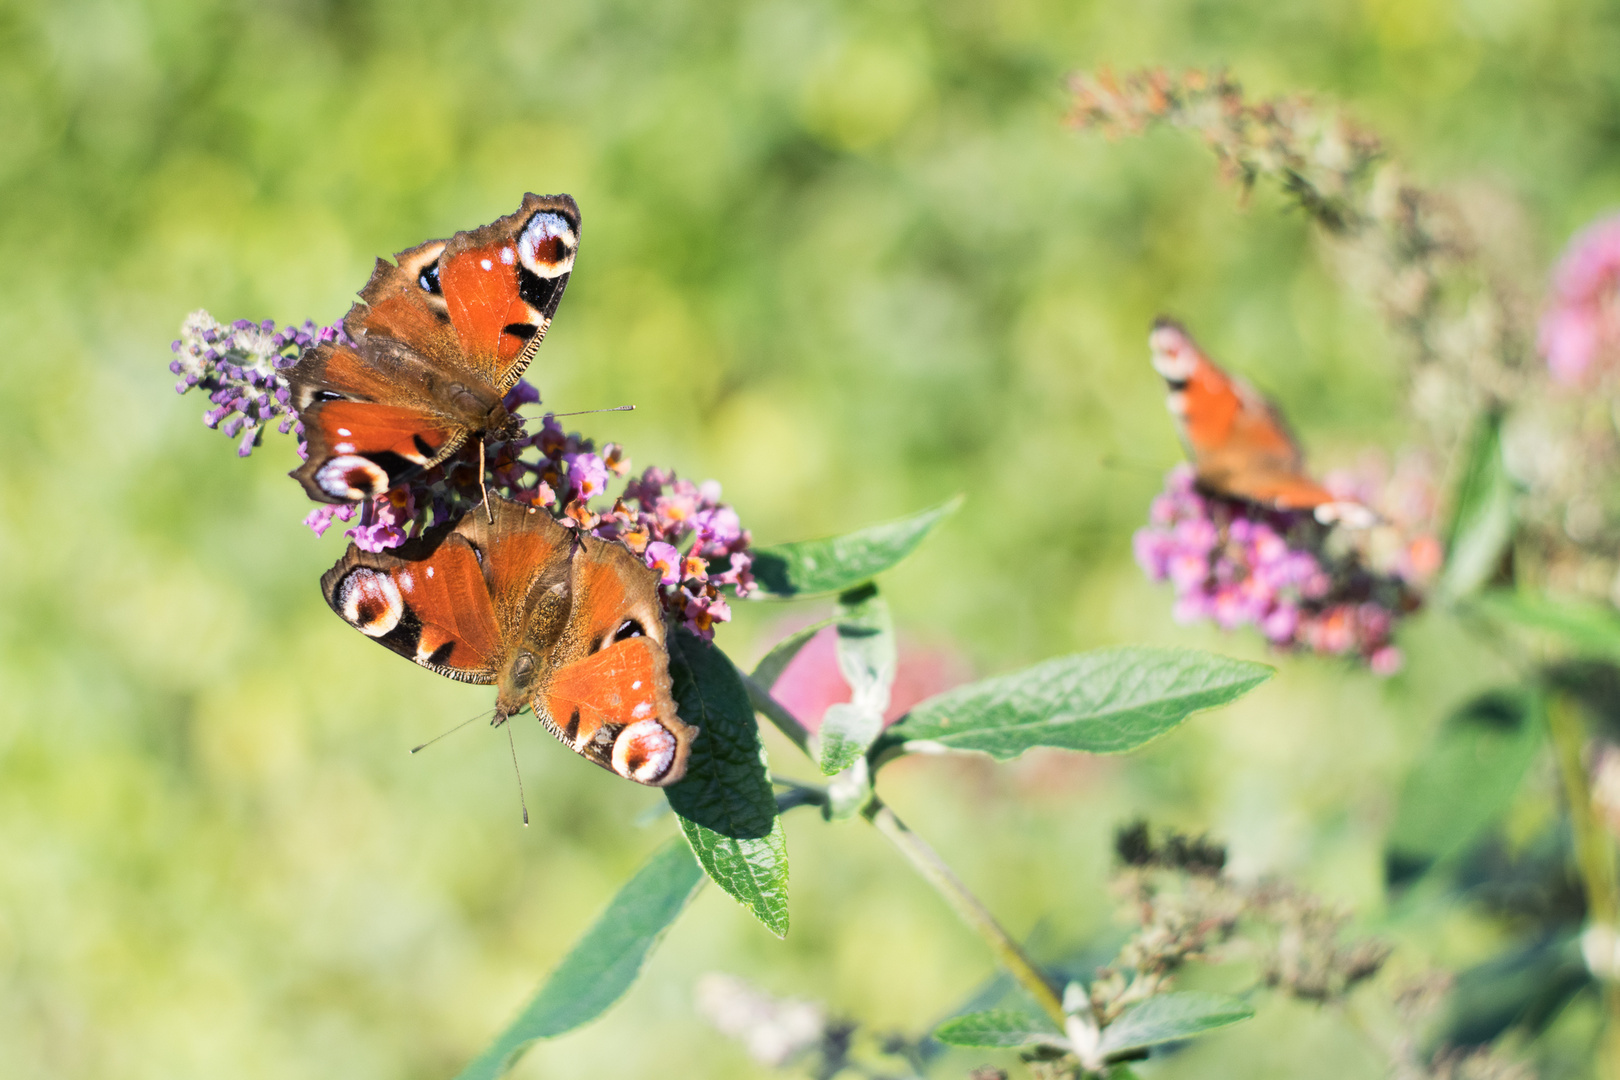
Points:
(811, 682)
(1581, 326)
(1239, 564)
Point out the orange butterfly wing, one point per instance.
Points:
(427, 600)
(608, 695)
(1237, 440)
(439, 337)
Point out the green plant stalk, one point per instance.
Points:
(771, 709)
(944, 880)
(1594, 855)
(928, 863)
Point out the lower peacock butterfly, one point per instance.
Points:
(569, 625)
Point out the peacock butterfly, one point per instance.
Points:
(1239, 444)
(440, 336)
(566, 624)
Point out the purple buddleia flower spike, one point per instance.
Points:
(239, 366)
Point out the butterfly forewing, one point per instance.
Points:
(502, 284)
(430, 603)
(1237, 440)
(403, 302)
(375, 417)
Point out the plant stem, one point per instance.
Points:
(771, 709)
(927, 861)
(1594, 854)
(970, 907)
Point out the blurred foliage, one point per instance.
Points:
(842, 257)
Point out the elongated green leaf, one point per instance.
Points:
(1590, 629)
(1103, 702)
(1465, 780)
(725, 801)
(866, 659)
(808, 567)
(604, 963)
(1172, 1016)
(773, 663)
(1481, 524)
(997, 1027)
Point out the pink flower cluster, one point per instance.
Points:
(681, 529)
(1237, 564)
(239, 366)
(1580, 330)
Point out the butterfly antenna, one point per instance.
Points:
(511, 742)
(488, 509)
(582, 412)
(452, 731)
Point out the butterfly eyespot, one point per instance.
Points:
(546, 245)
(429, 279)
(352, 478)
(325, 395)
(645, 752)
(369, 600)
(628, 629)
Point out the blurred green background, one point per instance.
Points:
(844, 258)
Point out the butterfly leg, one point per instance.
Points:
(489, 510)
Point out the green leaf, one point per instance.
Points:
(773, 663)
(1481, 525)
(1464, 781)
(1592, 629)
(725, 802)
(809, 567)
(1172, 1016)
(604, 963)
(998, 1027)
(1103, 702)
(866, 659)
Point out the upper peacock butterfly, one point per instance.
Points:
(1239, 444)
(440, 336)
(568, 625)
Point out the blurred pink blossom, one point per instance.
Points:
(811, 682)
(1581, 326)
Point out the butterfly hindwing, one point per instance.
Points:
(376, 416)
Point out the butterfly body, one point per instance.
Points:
(1239, 443)
(439, 337)
(566, 625)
